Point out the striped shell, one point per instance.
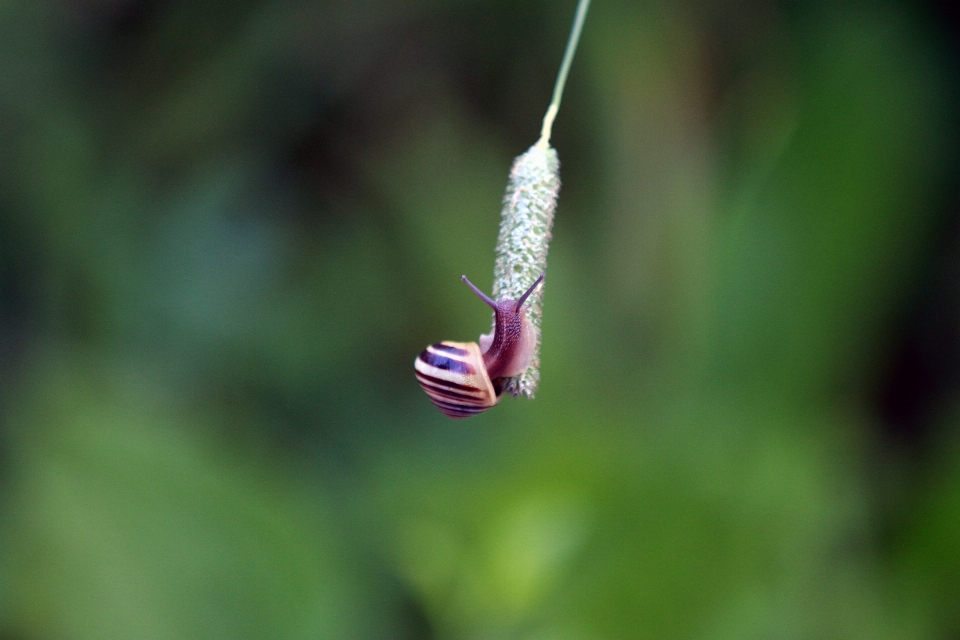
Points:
(455, 378)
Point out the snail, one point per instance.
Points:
(465, 378)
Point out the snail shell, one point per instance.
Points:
(453, 375)
(464, 378)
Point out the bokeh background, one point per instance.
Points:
(228, 227)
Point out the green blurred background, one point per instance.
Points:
(227, 228)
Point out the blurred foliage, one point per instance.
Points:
(227, 228)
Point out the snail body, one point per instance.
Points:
(465, 378)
